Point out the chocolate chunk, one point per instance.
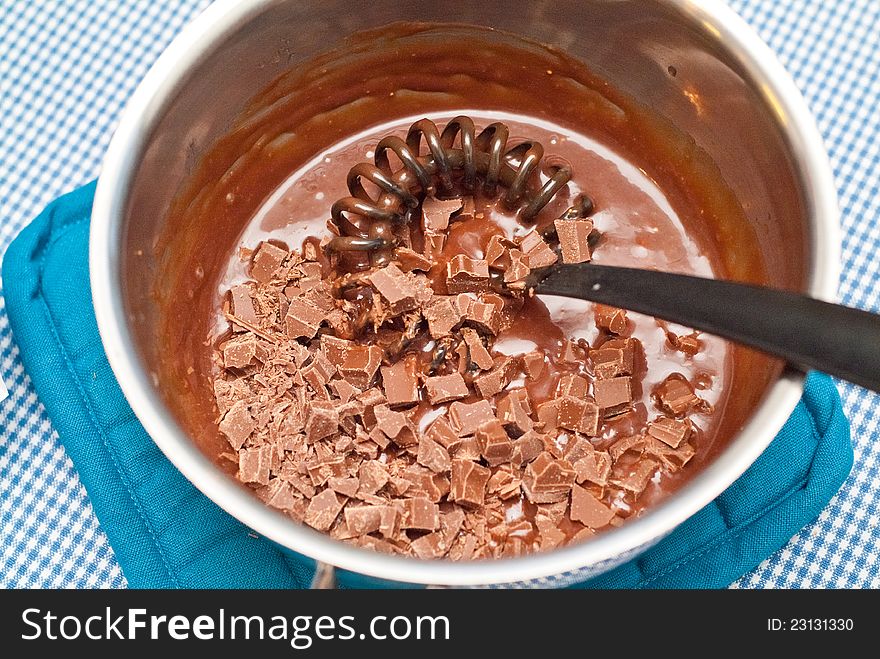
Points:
(533, 364)
(323, 510)
(580, 414)
(426, 483)
(395, 425)
(669, 431)
(442, 315)
(476, 350)
(401, 382)
(345, 486)
(266, 261)
(322, 420)
(672, 458)
(574, 239)
(513, 410)
(343, 390)
(676, 396)
(613, 395)
(494, 381)
(420, 513)
(538, 253)
(430, 545)
(611, 319)
(410, 260)
(436, 213)
(495, 445)
(321, 471)
(402, 292)
(548, 415)
(634, 478)
(468, 484)
(433, 455)
(572, 385)
(237, 424)
(518, 269)
(464, 274)
(547, 480)
(527, 448)
(444, 388)
(497, 256)
(243, 304)
(434, 242)
(362, 519)
(609, 363)
(373, 476)
(593, 468)
(451, 523)
(254, 464)
(467, 417)
(280, 495)
(319, 371)
(486, 313)
(588, 510)
(360, 365)
(689, 344)
(303, 319)
(441, 432)
(634, 443)
(240, 352)
(629, 346)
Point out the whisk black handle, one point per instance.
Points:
(808, 333)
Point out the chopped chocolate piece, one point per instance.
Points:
(410, 260)
(345, 486)
(497, 252)
(323, 510)
(571, 353)
(243, 304)
(634, 478)
(401, 382)
(533, 364)
(442, 315)
(320, 472)
(609, 363)
(547, 480)
(477, 351)
(237, 425)
(362, 519)
(611, 319)
(485, 312)
(548, 415)
(676, 396)
(372, 475)
(495, 445)
(266, 261)
(424, 482)
(464, 274)
(628, 345)
(389, 521)
(303, 318)
(451, 523)
(588, 510)
(538, 253)
(319, 372)
(402, 292)
(673, 458)
(468, 485)
(467, 417)
(437, 212)
(669, 431)
(239, 352)
(420, 513)
(279, 495)
(574, 239)
(254, 464)
(494, 381)
(431, 545)
(343, 390)
(444, 388)
(527, 448)
(322, 420)
(613, 395)
(513, 409)
(360, 364)
(519, 266)
(572, 385)
(441, 432)
(433, 456)
(689, 344)
(631, 443)
(434, 242)
(594, 468)
(395, 425)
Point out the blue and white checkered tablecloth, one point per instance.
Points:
(66, 70)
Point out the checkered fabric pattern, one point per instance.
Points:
(66, 70)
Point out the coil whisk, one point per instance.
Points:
(456, 159)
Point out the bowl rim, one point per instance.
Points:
(191, 47)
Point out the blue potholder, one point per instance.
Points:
(166, 534)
